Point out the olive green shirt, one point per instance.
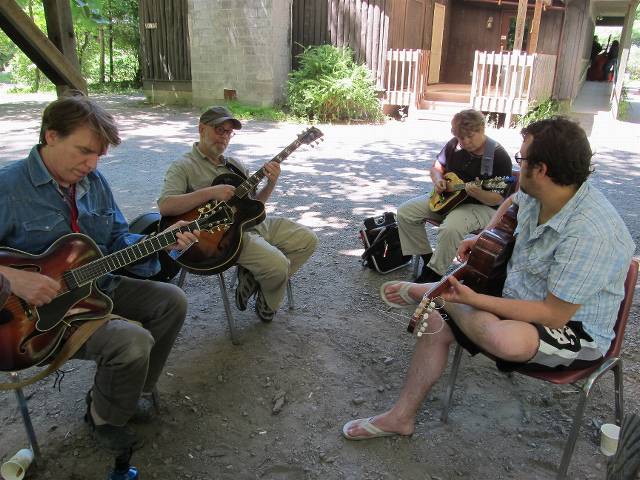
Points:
(194, 171)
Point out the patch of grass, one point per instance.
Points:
(5, 77)
(115, 87)
(245, 111)
(624, 105)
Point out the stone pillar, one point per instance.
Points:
(241, 45)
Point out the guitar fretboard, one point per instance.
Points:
(101, 266)
(252, 182)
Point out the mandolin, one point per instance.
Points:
(455, 194)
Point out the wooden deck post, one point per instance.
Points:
(535, 27)
(520, 21)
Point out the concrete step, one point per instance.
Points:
(443, 105)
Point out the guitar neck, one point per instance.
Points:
(252, 182)
(93, 270)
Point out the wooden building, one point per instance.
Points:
(495, 55)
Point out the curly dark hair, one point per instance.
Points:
(562, 145)
(76, 110)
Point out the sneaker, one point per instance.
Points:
(246, 288)
(146, 408)
(428, 276)
(112, 437)
(264, 312)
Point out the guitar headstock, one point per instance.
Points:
(311, 136)
(420, 318)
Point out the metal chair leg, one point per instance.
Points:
(26, 419)
(181, 278)
(452, 382)
(227, 309)
(619, 397)
(573, 435)
(290, 295)
(415, 264)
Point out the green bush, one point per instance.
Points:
(547, 109)
(330, 87)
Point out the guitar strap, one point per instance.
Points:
(486, 166)
(234, 168)
(68, 350)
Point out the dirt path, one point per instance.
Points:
(339, 354)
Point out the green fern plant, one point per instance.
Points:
(540, 111)
(329, 86)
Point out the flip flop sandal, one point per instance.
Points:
(370, 428)
(403, 292)
(247, 287)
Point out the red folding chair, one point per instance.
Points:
(590, 375)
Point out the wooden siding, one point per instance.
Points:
(468, 32)
(573, 44)
(362, 25)
(410, 24)
(165, 46)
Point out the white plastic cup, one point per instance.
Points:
(609, 434)
(16, 467)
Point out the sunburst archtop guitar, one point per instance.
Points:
(29, 335)
(216, 252)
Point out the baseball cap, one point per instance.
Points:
(216, 115)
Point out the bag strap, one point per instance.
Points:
(486, 166)
(376, 242)
(68, 350)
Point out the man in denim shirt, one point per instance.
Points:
(57, 190)
(565, 280)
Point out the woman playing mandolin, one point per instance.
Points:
(465, 210)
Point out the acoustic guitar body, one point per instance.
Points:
(217, 251)
(486, 268)
(30, 334)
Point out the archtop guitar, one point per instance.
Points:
(215, 252)
(30, 334)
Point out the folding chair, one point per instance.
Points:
(611, 361)
(227, 305)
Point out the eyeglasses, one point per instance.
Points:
(220, 130)
(519, 158)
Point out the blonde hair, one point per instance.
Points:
(467, 122)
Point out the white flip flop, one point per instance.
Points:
(403, 292)
(370, 428)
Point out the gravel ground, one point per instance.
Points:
(340, 353)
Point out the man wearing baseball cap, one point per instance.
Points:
(274, 249)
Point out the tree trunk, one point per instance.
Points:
(101, 42)
(36, 81)
(110, 43)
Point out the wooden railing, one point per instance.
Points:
(510, 82)
(405, 76)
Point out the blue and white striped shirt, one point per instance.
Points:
(581, 255)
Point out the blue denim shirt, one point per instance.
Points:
(581, 255)
(33, 214)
